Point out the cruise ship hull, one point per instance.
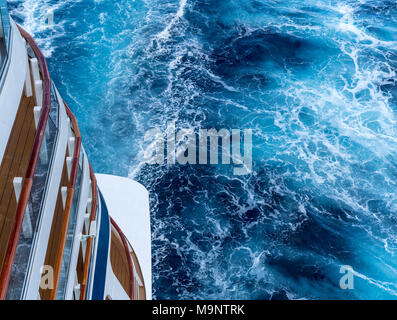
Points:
(66, 232)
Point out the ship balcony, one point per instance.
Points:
(47, 188)
(125, 264)
(24, 169)
(49, 205)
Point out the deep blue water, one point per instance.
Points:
(315, 80)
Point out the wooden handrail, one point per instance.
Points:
(68, 203)
(28, 181)
(87, 259)
(128, 254)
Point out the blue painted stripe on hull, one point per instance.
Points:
(98, 291)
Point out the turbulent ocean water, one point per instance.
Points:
(314, 80)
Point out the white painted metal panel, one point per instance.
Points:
(11, 93)
(82, 206)
(113, 288)
(49, 205)
(128, 204)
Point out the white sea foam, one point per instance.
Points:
(165, 34)
(389, 287)
(34, 14)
